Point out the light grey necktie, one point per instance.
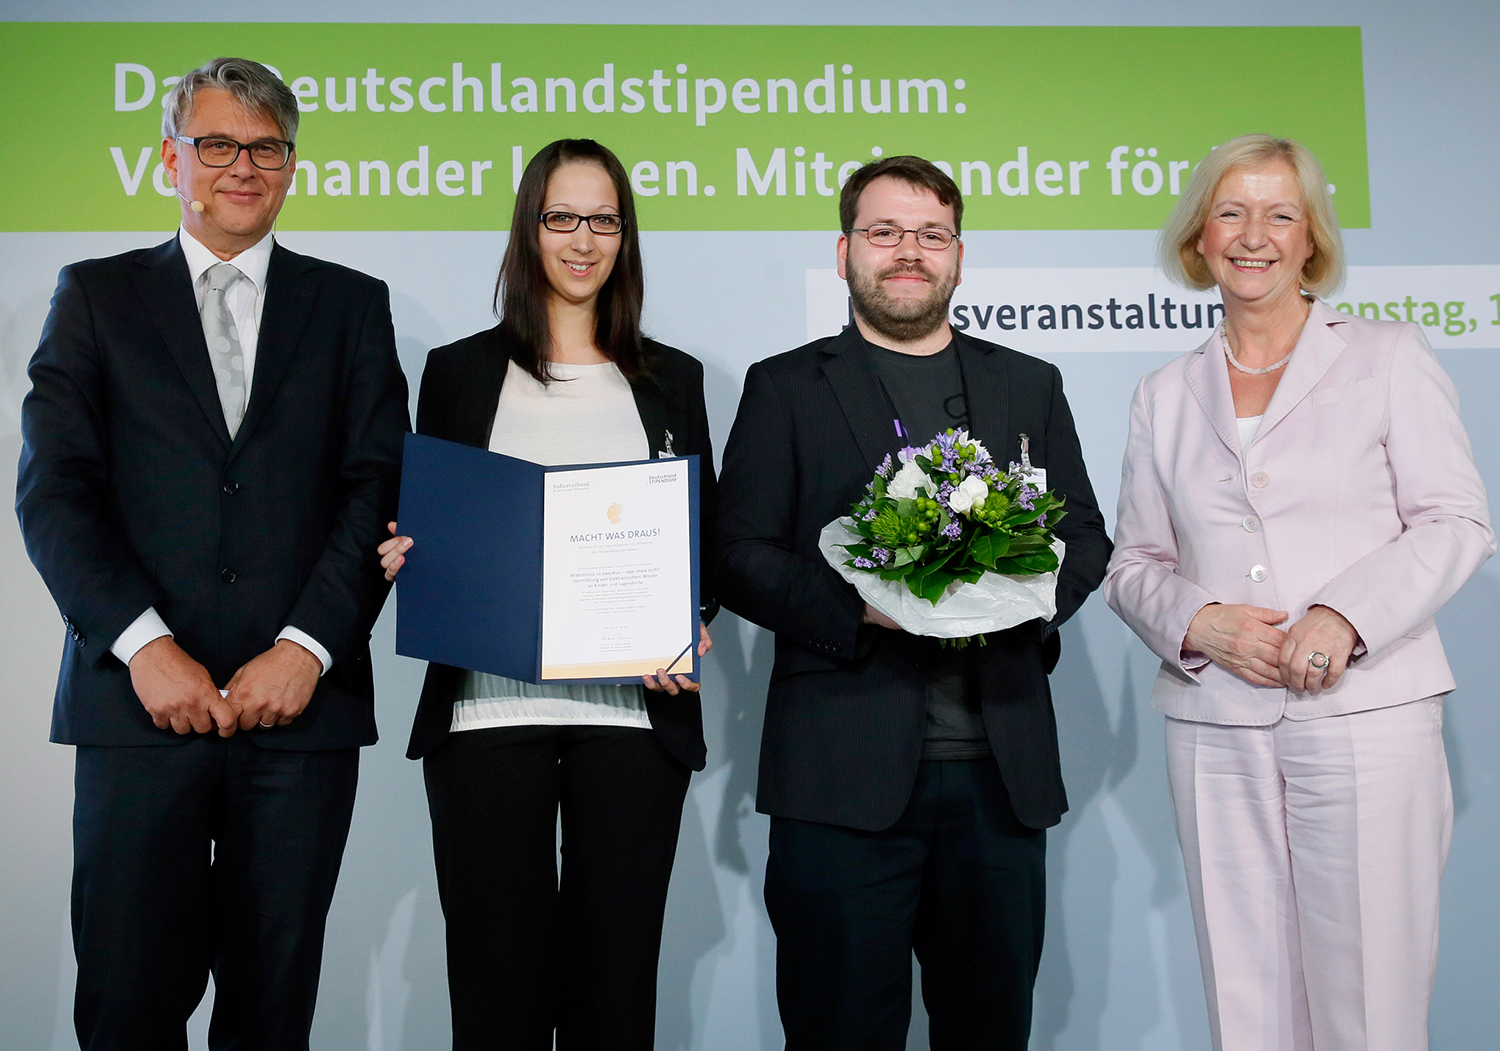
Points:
(223, 337)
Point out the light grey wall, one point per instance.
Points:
(1120, 971)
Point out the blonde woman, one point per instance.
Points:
(1298, 500)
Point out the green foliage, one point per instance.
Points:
(929, 544)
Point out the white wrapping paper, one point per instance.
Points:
(996, 602)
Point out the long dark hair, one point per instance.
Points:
(521, 291)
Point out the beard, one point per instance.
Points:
(902, 320)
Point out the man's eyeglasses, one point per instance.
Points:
(215, 152)
(567, 222)
(886, 236)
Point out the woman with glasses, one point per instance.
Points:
(565, 377)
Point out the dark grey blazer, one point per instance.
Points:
(131, 493)
(846, 708)
(459, 396)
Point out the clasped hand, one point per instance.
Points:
(1246, 641)
(178, 693)
(393, 556)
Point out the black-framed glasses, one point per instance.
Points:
(566, 222)
(885, 235)
(215, 151)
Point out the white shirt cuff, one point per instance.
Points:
(148, 627)
(307, 642)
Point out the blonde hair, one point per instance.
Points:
(1177, 246)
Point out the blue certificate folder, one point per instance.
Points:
(470, 593)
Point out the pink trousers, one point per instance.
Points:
(1314, 850)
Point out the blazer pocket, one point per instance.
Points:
(1368, 385)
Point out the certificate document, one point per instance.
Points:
(584, 573)
(616, 577)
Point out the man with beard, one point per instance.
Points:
(908, 785)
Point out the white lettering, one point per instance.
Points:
(123, 71)
(747, 173)
(131, 180)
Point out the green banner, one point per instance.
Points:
(426, 127)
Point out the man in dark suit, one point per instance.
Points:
(211, 448)
(908, 785)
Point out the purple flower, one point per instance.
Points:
(881, 555)
(1042, 521)
(860, 562)
(868, 516)
(954, 530)
(1026, 498)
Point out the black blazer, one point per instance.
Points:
(846, 709)
(459, 396)
(131, 494)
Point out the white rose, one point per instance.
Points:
(970, 493)
(904, 485)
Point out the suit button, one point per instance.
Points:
(226, 575)
(230, 488)
(66, 621)
(1260, 479)
(1251, 524)
(82, 642)
(1259, 574)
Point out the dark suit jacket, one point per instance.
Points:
(460, 393)
(131, 494)
(846, 710)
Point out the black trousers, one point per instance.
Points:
(213, 855)
(957, 878)
(528, 953)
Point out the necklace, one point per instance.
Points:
(1247, 370)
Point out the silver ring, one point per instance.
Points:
(1312, 658)
(265, 725)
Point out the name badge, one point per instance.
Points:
(1034, 476)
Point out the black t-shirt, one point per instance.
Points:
(927, 392)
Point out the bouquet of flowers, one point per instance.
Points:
(947, 544)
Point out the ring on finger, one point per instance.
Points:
(265, 725)
(1319, 660)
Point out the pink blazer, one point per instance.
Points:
(1358, 492)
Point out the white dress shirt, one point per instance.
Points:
(246, 300)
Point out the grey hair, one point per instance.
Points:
(1177, 247)
(251, 84)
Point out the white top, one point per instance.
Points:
(246, 301)
(1248, 425)
(587, 414)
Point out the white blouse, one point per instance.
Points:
(1248, 425)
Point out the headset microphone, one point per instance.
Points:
(196, 206)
